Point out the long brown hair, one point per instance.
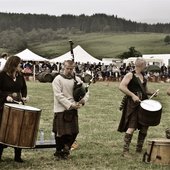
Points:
(11, 65)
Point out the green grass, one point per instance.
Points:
(100, 145)
(102, 45)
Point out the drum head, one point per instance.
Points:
(151, 105)
(159, 141)
(24, 107)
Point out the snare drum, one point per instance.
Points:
(150, 112)
(19, 125)
(158, 151)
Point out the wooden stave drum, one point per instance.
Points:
(19, 125)
(87, 78)
(158, 151)
(45, 77)
(150, 112)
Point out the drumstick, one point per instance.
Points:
(154, 94)
(17, 102)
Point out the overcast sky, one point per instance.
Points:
(149, 11)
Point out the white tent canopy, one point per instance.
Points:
(80, 55)
(28, 55)
(165, 58)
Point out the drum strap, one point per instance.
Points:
(66, 77)
(150, 153)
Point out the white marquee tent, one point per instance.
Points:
(28, 55)
(80, 55)
(164, 57)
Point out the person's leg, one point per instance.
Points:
(141, 138)
(1, 150)
(17, 156)
(66, 149)
(127, 141)
(59, 146)
(71, 140)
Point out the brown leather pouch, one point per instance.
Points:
(69, 115)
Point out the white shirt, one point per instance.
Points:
(63, 93)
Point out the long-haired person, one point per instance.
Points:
(12, 88)
(134, 86)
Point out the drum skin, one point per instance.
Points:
(19, 125)
(161, 151)
(150, 112)
(87, 78)
(45, 77)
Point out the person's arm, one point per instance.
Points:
(24, 88)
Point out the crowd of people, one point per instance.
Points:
(133, 84)
(99, 71)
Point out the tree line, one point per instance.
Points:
(83, 23)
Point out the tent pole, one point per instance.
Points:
(34, 72)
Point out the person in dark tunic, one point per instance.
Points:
(65, 122)
(134, 86)
(12, 88)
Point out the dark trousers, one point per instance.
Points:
(64, 141)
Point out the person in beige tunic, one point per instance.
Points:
(65, 122)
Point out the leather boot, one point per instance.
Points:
(127, 141)
(17, 157)
(140, 142)
(59, 147)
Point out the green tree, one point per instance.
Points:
(167, 39)
(131, 53)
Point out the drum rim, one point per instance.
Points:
(160, 141)
(150, 100)
(25, 107)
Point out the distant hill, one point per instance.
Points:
(100, 34)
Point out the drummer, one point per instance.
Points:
(12, 89)
(134, 86)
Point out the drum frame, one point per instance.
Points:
(156, 152)
(149, 118)
(19, 127)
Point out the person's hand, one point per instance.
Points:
(9, 99)
(156, 94)
(82, 101)
(25, 99)
(136, 98)
(75, 106)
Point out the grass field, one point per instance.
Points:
(102, 45)
(100, 145)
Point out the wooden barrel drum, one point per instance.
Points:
(87, 78)
(158, 151)
(19, 125)
(45, 77)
